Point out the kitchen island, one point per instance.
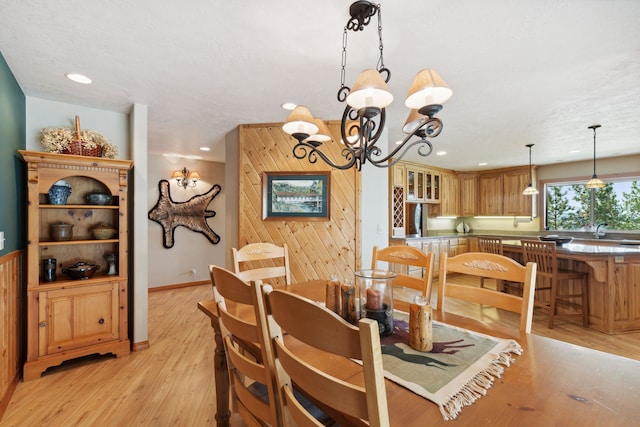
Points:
(613, 267)
(614, 280)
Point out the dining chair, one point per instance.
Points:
(249, 360)
(494, 266)
(322, 329)
(492, 245)
(551, 277)
(407, 256)
(267, 260)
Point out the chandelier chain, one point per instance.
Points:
(380, 45)
(344, 58)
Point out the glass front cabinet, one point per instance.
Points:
(77, 258)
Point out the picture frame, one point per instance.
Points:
(296, 196)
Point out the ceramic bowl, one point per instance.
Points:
(99, 199)
(103, 232)
(560, 240)
(81, 270)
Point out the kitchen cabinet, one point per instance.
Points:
(500, 193)
(468, 183)
(69, 318)
(515, 203)
(415, 184)
(449, 197)
(490, 194)
(397, 196)
(432, 186)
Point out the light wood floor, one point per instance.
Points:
(171, 383)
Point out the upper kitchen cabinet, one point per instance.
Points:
(449, 198)
(468, 184)
(515, 203)
(490, 194)
(415, 184)
(500, 193)
(432, 186)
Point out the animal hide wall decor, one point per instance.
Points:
(192, 214)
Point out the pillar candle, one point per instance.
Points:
(374, 299)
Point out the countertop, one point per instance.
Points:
(588, 248)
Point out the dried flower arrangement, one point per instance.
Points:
(67, 140)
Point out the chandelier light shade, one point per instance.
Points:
(530, 190)
(364, 116)
(186, 178)
(594, 182)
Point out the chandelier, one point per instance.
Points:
(185, 178)
(364, 116)
(594, 182)
(530, 190)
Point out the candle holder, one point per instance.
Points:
(375, 296)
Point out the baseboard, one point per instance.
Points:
(139, 346)
(179, 285)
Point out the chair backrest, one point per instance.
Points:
(492, 245)
(542, 253)
(276, 265)
(249, 360)
(409, 256)
(328, 332)
(494, 266)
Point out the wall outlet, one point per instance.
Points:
(1, 240)
(192, 272)
(618, 259)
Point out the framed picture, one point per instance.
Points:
(301, 196)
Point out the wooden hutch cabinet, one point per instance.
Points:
(69, 318)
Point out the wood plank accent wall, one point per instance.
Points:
(11, 301)
(316, 248)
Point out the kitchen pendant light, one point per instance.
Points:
(594, 182)
(530, 190)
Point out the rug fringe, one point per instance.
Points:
(479, 384)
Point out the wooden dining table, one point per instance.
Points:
(553, 383)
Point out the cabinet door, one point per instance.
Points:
(432, 186)
(516, 203)
(415, 184)
(397, 175)
(77, 317)
(468, 190)
(449, 199)
(490, 195)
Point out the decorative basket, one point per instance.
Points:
(78, 148)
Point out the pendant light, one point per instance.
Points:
(594, 182)
(530, 190)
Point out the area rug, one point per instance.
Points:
(459, 369)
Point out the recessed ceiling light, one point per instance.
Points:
(289, 106)
(441, 153)
(79, 78)
(205, 149)
(398, 142)
(574, 151)
(482, 164)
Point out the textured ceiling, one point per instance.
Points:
(522, 72)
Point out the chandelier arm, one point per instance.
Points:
(423, 132)
(306, 149)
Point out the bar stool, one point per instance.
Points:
(544, 255)
(492, 245)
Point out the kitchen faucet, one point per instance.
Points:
(597, 233)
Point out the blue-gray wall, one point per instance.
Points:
(12, 175)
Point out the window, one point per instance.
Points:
(569, 206)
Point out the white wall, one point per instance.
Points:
(43, 113)
(191, 250)
(374, 207)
